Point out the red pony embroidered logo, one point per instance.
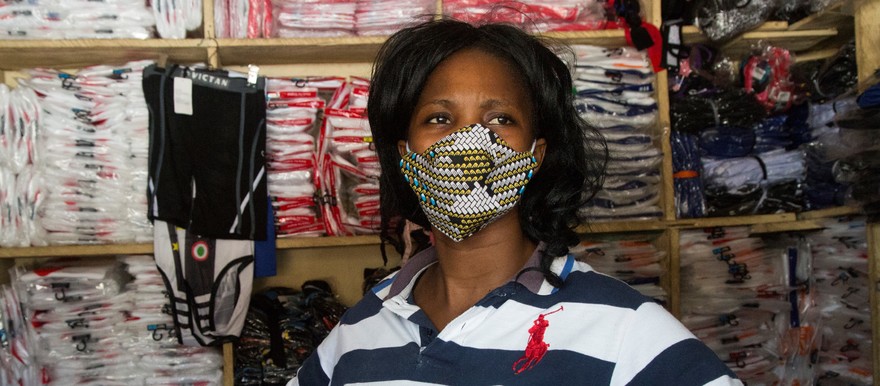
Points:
(536, 348)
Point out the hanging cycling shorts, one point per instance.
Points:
(207, 151)
(209, 282)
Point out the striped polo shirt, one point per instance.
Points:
(594, 330)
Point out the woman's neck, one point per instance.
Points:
(470, 269)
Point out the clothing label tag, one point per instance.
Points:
(253, 74)
(758, 73)
(783, 97)
(183, 90)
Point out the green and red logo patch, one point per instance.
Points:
(200, 251)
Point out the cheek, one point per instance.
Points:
(421, 141)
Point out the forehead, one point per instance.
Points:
(475, 71)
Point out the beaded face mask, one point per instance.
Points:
(468, 179)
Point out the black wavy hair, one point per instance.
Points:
(575, 157)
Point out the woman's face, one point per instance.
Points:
(472, 87)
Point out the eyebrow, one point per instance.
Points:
(487, 104)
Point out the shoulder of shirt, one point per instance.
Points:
(382, 288)
(371, 303)
(583, 284)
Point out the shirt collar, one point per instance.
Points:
(532, 279)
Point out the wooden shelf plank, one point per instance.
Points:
(621, 226)
(324, 242)
(829, 212)
(147, 248)
(867, 31)
(733, 221)
(773, 34)
(228, 364)
(761, 224)
(793, 41)
(298, 50)
(874, 291)
(691, 31)
(793, 226)
(605, 38)
(355, 49)
(77, 250)
(75, 53)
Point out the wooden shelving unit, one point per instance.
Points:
(811, 38)
(19, 54)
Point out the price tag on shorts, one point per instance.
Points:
(183, 95)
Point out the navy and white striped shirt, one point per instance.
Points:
(604, 333)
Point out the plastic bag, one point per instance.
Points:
(533, 15)
(721, 20)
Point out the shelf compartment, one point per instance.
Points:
(76, 53)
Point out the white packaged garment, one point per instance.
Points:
(292, 124)
(76, 19)
(21, 190)
(842, 283)
(174, 18)
(615, 94)
(636, 262)
(310, 18)
(23, 119)
(17, 362)
(533, 15)
(150, 332)
(297, 18)
(737, 174)
(747, 297)
(92, 152)
(10, 230)
(384, 17)
(67, 282)
(347, 161)
(122, 337)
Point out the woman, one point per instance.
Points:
(479, 142)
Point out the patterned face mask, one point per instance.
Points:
(467, 179)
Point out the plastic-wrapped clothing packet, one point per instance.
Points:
(534, 15)
(723, 19)
(291, 152)
(770, 167)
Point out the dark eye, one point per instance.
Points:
(501, 120)
(439, 119)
